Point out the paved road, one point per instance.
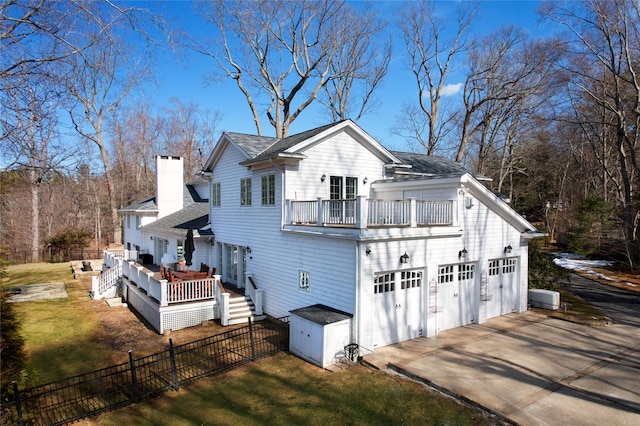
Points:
(536, 370)
(621, 305)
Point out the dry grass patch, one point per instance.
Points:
(284, 390)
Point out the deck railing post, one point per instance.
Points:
(174, 369)
(413, 213)
(134, 380)
(320, 219)
(362, 211)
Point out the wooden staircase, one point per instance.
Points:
(241, 308)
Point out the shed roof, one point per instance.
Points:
(321, 314)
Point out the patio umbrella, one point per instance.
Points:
(189, 248)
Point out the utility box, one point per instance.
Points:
(545, 299)
(319, 333)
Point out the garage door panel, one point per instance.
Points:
(397, 308)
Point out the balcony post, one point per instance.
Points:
(362, 211)
(320, 220)
(163, 293)
(413, 213)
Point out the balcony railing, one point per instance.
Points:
(363, 213)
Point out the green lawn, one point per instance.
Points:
(284, 390)
(63, 337)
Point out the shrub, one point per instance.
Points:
(543, 273)
(12, 356)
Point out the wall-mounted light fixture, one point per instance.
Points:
(368, 251)
(323, 178)
(462, 254)
(151, 238)
(508, 249)
(365, 180)
(248, 249)
(212, 240)
(404, 258)
(468, 202)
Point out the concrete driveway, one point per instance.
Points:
(532, 369)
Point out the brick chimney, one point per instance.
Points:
(169, 184)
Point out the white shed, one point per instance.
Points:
(319, 334)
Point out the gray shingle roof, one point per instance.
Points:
(251, 144)
(432, 165)
(291, 141)
(193, 216)
(145, 205)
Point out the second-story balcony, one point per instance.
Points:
(363, 213)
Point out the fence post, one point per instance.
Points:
(16, 394)
(253, 344)
(174, 370)
(134, 380)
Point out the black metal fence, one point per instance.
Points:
(92, 393)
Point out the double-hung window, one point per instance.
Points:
(245, 192)
(269, 190)
(215, 194)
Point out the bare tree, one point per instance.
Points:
(188, 132)
(358, 68)
(604, 47)
(29, 131)
(98, 79)
(432, 58)
(284, 53)
(508, 76)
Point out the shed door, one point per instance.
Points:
(501, 287)
(397, 307)
(456, 296)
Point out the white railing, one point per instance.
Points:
(362, 213)
(304, 212)
(252, 290)
(223, 301)
(339, 212)
(107, 279)
(434, 212)
(190, 291)
(389, 212)
(164, 292)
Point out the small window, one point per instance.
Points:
(494, 267)
(303, 280)
(445, 274)
(245, 192)
(384, 283)
(410, 279)
(508, 266)
(215, 194)
(466, 271)
(268, 190)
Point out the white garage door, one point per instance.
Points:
(501, 287)
(457, 299)
(397, 314)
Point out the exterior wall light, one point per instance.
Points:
(323, 178)
(365, 180)
(248, 249)
(508, 249)
(368, 251)
(404, 258)
(462, 254)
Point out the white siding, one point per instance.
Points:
(341, 155)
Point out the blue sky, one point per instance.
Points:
(184, 80)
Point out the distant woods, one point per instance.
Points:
(551, 115)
